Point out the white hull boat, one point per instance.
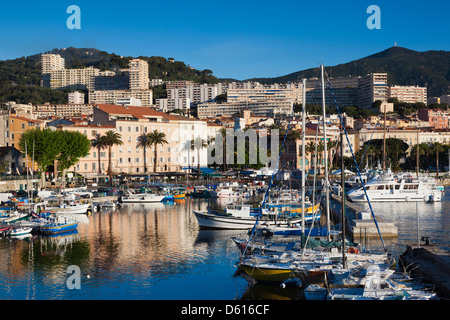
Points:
(142, 198)
(237, 217)
(77, 208)
(398, 189)
(20, 231)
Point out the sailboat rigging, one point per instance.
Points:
(357, 167)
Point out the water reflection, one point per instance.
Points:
(156, 251)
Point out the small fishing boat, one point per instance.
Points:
(59, 225)
(20, 231)
(174, 193)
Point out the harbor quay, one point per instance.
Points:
(359, 224)
(430, 262)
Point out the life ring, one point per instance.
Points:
(352, 250)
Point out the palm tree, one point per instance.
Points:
(320, 151)
(223, 133)
(156, 137)
(99, 143)
(438, 148)
(111, 138)
(198, 143)
(144, 142)
(310, 148)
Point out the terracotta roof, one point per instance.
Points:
(138, 112)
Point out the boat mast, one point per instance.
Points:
(327, 195)
(417, 153)
(303, 152)
(343, 197)
(384, 141)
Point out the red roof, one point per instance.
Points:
(138, 112)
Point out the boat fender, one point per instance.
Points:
(352, 250)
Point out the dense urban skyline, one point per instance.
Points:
(236, 40)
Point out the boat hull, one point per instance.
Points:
(213, 221)
(59, 228)
(81, 209)
(142, 199)
(20, 231)
(268, 275)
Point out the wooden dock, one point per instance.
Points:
(360, 225)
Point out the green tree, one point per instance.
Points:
(42, 145)
(73, 145)
(157, 138)
(47, 146)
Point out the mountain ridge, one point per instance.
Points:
(403, 66)
(20, 77)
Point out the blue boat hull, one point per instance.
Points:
(59, 228)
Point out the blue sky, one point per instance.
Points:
(234, 39)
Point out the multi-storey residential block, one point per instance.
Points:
(267, 108)
(156, 82)
(171, 104)
(196, 93)
(410, 94)
(138, 74)
(110, 96)
(178, 84)
(75, 97)
(437, 118)
(77, 79)
(259, 94)
(62, 110)
(51, 62)
(109, 82)
(371, 88)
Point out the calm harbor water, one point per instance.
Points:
(157, 252)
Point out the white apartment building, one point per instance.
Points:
(196, 93)
(371, 88)
(257, 94)
(75, 97)
(70, 78)
(51, 62)
(266, 108)
(409, 94)
(167, 105)
(110, 96)
(138, 74)
(156, 82)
